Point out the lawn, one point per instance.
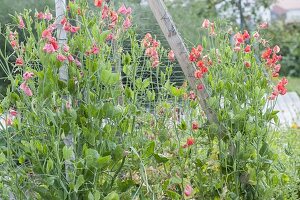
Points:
(294, 84)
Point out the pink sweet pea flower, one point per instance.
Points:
(13, 113)
(256, 35)
(70, 58)
(47, 33)
(27, 75)
(188, 190)
(127, 23)
(19, 61)
(276, 49)
(48, 16)
(171, 56)
(68, 105)
(105, 12)
(66, 48)
(40, 15)
(78, 63)
(26, 89)
(155, 63)
(49, 48)
(74, 29)
(263, 25)
(21, 23)
(95, 49)
(61, 57)
(122, 10)
(205, 23)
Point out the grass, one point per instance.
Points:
(294, 84)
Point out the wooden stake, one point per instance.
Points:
(175, 41)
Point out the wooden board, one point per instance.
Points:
(176, 43)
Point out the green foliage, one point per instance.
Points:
(113, 135)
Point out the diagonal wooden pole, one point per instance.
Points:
(176, 43)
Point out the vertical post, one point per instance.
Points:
(176, 43)
(60, 9)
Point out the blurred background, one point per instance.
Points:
(283, 17)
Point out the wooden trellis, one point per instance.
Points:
(176, 43)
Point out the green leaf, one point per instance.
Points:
(79, 183)
(103, 161)
(91, 156)
(149, 149)
(68, 153)
(173, 195)
(112, 196)
(49, 166)
(160, 158)
(2, 158)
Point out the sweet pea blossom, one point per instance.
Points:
(171, 56)
(61, 57)
(27, 75)
(200, 87)
(125, 11)
(205, 23)
(247, 64)
(78, 63)
(21, 22)
(105, 12)
(66, 48)
(263, 25)
(247, 49)
(98, 3)
(26, 89)
(126, 23)
(188, 190)
(276, 49)
(195, 126)
(256, 35)
(189, 142)
(19, 61)
(13, 113)
(48, 16)
(48, 48)
(70, 58)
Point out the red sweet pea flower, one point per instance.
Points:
(246, 35)
(47, 33)
(267, 53)
(247, 49)
(13, 113)
(98, 3)
(189, 142)
(195, 126)
(239, 39)
(19, 61)
(247, 64)
(200, 87)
